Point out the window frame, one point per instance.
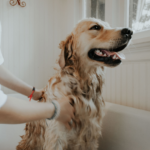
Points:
(138, 37)
(117, 14)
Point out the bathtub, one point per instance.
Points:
(123, 128)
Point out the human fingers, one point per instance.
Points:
(73, 123)
(71, 101)
(71, 110)
(68, 126)
(72, 115)
(41, 96)
(38, 94)
(70, 123)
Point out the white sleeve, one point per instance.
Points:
(3, 98)
(1, 58)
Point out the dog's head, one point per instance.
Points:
(94, 42)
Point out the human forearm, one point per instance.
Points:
(17, 111)
(10, 81)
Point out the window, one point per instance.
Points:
(96, 9)
(123, 13)
(139, 15)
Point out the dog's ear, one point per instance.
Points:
(66, 51)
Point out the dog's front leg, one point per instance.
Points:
(80, 145)
(55, 136)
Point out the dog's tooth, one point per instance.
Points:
(117, 58)
(104, 54)
(101, 53)
(98, 51)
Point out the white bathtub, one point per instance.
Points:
(124, 128)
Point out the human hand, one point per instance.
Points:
(37, 94)
(66, 113)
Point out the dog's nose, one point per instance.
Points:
(126, 32)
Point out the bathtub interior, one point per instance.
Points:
(123, 128)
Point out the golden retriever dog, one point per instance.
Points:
(92, 46)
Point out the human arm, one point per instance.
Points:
(10, 81)
(16, 111)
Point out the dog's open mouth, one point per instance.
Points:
(112, 57)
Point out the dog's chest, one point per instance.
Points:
(88, 105)
(86, 96)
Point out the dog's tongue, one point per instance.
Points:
(119, 54)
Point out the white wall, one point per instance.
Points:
(27, 40)
(129, 84)
(31, 35)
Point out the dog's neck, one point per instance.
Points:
(90, 79)
(85, 86)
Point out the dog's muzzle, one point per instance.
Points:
(112, 56)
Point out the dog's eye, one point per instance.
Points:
(95, 27)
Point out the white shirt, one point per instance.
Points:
(3, 97)
(1, 58)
